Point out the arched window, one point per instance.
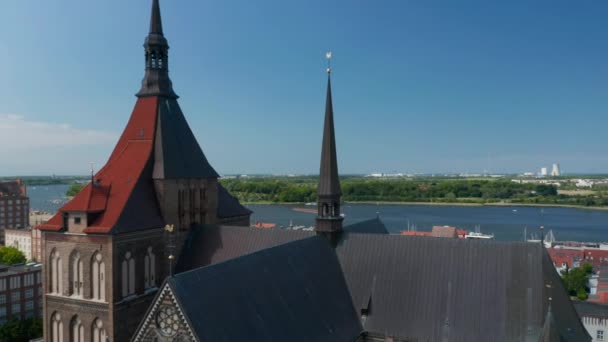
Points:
(325, 209)
(76, 330)
(128, 275)
(99, 333)
(150, 268)
(76, 275)
(56, 269)
(98, 277)
(56, 328)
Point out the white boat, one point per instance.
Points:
(477, 234)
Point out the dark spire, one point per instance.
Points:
(329, 220)
(156, 81)
(329, 183)
(156, 24)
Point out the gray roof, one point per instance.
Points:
(211, 244)
(372, 226)
(588, 309)
(228, 205)
(177, 153)
(426, 288)
(433, 288)
(293, 292)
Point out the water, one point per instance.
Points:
(506, 223)
(42, 197)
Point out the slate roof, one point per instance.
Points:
(430, 289)
(372, 226)
(292, 292)
(228, 205)
(588, 309)
(212, 244)
(426, 288)
(177, 153)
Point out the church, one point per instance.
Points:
(155, 249)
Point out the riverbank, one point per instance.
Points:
(445, 204)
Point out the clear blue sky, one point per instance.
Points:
(419, 86)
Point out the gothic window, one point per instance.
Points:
(128, 275)
(76, 275)
(76, 330)
(150, 269)
(99, 333)
(56, 273)
(325, 209)
(160, 61)
(98, 277)
(56, 328)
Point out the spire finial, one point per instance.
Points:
(156, 24)
(328, 56)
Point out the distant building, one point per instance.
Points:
(543, 171)
(595, 319)
(14, 205)
(20, 239)
(555, 172)
(20, 292)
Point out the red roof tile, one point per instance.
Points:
(117, 179)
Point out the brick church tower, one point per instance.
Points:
(104, 251)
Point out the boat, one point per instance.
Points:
(477, 234)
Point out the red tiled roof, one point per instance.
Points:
(415, 233)
(117, 179)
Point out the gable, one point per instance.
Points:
(164, 321)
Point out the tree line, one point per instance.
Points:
(287, 190)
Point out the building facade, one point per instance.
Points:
(14, 205)
(105, 252)
(20, 292)
(20, 239)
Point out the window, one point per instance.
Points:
(15, 296)
(2, 311)
(2, 299)
(98, 270)
(16, 308)
(28, 279)
(29, 305)
(76, 275)
(99, 333)
(77, 220)
(600, 335)
(77, 330)
(56, 274)
(29, 293)
(150, 269)
(128, 275)
(39, 278)
(56, 328)
(2, 284)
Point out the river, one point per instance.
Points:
(506, 223)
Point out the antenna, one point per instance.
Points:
(92, 173)
(328, 56)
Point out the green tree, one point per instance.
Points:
(10, 255)
(575, 280)
(74, 189)
(21, 331)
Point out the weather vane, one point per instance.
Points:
(328, 56)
